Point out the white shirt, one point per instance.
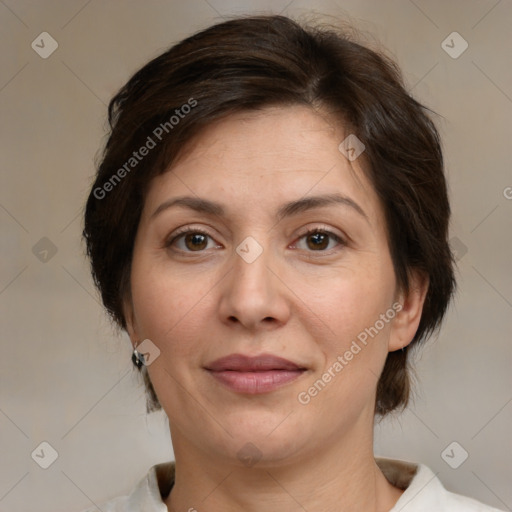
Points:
(423, 491)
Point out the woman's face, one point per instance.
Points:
(248, 280)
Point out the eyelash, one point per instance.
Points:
(324, 231)
(188, 230)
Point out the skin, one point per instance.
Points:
(295, 301)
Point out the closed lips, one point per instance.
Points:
(262, 363)
(254, 375)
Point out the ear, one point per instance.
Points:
(129, 316)
(406, 322)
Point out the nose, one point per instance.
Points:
(253, 294)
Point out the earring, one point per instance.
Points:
(137, 359)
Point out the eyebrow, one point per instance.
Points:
(287, 210)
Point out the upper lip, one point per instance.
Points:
(243, 363)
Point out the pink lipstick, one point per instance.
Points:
(254, 375)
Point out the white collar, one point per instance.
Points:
(423, 491)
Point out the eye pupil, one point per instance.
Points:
(196, 241)
(321, 240)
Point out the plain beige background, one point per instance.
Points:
(65, 376)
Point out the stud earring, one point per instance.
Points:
(137, 359)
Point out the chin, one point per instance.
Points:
(264, 452)
(270, 438)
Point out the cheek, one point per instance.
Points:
(355, 302)
(354, 347)
(168, 308)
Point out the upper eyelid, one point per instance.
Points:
(191, 229)
(185, 230)
(321, 228)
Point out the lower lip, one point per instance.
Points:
(254, 383)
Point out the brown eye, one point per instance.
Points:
(318, 240)
(196, 241)
(191, 240)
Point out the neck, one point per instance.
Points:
(341, 477)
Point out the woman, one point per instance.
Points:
(269, 224)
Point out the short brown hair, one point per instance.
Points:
(249, 63)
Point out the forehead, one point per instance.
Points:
(264, 140)
(264, 158)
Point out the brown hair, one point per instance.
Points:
(249, 63)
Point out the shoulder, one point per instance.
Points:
(463, 503)
(146, 496)
(424, 492)
(115, 505)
